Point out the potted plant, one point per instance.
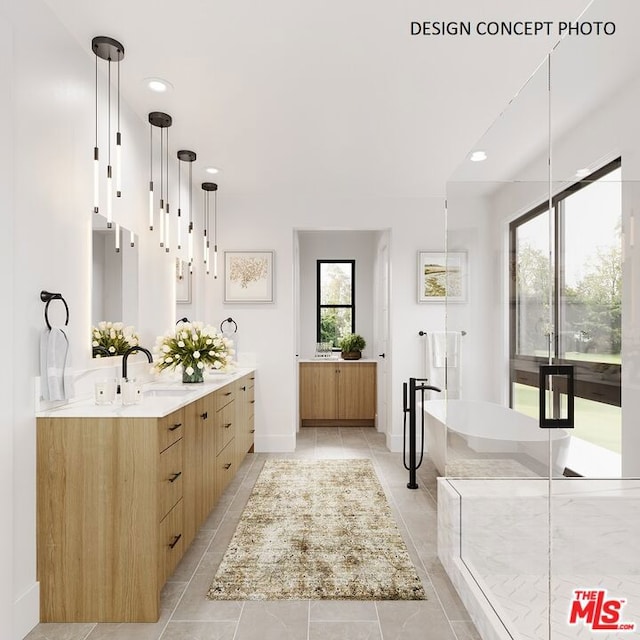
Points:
(351, 346)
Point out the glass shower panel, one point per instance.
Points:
(595, 88)
(497, 319)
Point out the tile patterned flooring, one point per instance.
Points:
(188, 615)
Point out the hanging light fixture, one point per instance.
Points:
(208, 187)
(185, 156)
(110, 50)
(162, 121)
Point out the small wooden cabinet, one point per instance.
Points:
(119, 500)
(337, 393)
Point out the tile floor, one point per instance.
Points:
(188, 615)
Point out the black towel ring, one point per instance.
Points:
(47, 296)
(235, 330)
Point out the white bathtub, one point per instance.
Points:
(490, 428)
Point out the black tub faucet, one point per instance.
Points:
(126, 355)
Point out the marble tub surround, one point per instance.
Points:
(161, 395)
(494, 543)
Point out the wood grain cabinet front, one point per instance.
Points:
(119, 500)
(337, 393)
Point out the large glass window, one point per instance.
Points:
(569, 310)
(336, 300)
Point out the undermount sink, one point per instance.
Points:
(165, 393)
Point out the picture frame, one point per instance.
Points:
(248, 276)
(183, 282)
(442, 276)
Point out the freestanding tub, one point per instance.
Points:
(487, 427)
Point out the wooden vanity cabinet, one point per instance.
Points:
(337, 393)
(119, 500)
(109, 519)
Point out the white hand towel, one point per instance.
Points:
(444, 348)
(54, 349)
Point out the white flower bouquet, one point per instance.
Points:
(112, 338)
(194, 347)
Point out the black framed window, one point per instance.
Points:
(568, 310)
(336, 296)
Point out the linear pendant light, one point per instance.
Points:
(161, 121)
(111, 50)
(184, 155)
(207, 187)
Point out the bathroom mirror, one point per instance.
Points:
(114, 276)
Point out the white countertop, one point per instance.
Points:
(337, 359)
(151, 406)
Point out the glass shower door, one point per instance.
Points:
(594, 565)
(495, 499)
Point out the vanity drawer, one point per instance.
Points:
(171, 543)
(226, 463)
(224, 396)
(170, 429)
(170, 480)
(225, 426)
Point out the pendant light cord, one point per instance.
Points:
(161, 170)
(96, 101)
(109, 115)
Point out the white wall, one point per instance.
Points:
(9, 324)
(47, 203)
(265, 221)
(336, 245)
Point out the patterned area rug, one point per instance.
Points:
(317, 529)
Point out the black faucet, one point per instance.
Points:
(126, 355)
(101, 351)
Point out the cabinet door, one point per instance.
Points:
(318, 391)
(357, 391)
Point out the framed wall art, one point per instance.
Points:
(442, 276)
(248, 276)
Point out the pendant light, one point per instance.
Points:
(161, 121)
(111, 50)
(185, 156)
(209, 187)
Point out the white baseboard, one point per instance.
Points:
(275, 444)
(26, 612)
(394, 442)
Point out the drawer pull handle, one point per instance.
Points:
(252, 431)
(228, 393)
(176, 539)
(227, 466)
(252, 401)
(226, 426)
(252, 378)
(175, 426)
(243, 388)
(175, 476)
(204, 415)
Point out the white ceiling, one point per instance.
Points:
(306, 96)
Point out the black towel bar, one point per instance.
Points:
(47, 297)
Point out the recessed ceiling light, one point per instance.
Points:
(212, 170)
(478, 156)
(582, 173)
(158, 85)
